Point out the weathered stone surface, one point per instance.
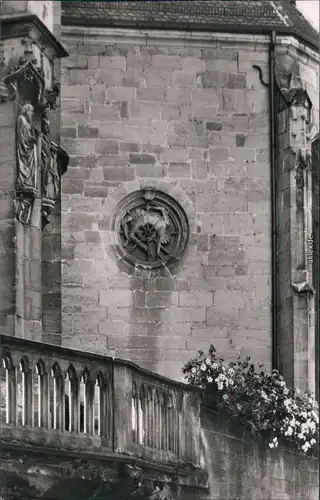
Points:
(182, 119)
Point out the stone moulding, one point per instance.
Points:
(30, 26)
(152, 229)
(85, 478)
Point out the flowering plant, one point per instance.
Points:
(261, 401)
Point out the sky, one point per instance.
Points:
(310, 9)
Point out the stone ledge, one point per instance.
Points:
(185, 475)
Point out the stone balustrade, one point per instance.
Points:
(64, 398)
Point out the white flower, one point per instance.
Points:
(215, 366)
(208, 361)
(220, 386)
(312, 426)
(225, 396)
(193, 370)
(210, 379)
(274, 443)
(289, 431)
(231, 371)
(312, 441)
(286, 392)
(203, 367)
(292, 423)
(301, 436)
(306, 446)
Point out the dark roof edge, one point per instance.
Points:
(180, 26)
(25, 18)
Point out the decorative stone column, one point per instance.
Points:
(27, 90)
(315, 246)
(295, 258)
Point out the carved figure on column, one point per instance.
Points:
(26, 152)
(27, 164)
(50, 176)
(54, 163)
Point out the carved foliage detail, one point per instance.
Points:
(152, 229)
(25, 82)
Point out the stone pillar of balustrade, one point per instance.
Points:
(122, 410)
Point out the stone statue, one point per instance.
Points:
(49, 168)
(54, 163)
(26, 152)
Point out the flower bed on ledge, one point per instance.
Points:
(260, 401)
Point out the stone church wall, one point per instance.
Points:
(188, 116)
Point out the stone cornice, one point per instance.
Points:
(185, 475)
(290, 31)
(142, 35)
(30, 25)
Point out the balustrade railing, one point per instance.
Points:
(80, 400)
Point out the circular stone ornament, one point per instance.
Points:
(152, 229)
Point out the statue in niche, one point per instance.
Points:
(50, 175)
(26, 152)
(54, 163)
